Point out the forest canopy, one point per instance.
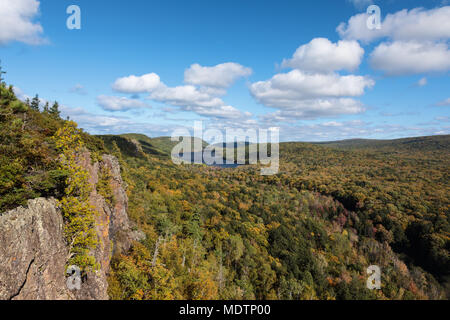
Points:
(308, 232)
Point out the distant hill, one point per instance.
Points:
(131, 144)
(166, 144)
(429, 143)
(162, 146)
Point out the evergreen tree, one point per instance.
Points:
(2, 84)
(46, 108)
(35, 103)
(54, 110)
(1, 73)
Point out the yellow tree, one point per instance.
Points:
(79, 215)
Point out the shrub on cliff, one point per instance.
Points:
(79, 215)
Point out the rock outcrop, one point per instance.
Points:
(33, 252)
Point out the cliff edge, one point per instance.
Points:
(33, 250)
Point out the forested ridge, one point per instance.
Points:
(309, 232)
(39, 155)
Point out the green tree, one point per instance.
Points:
(78, 214)
(35, 103)
(46, 108)
(54, 110)
(1, 73)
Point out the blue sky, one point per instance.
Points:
(153, 66)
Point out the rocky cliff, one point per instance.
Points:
(33, 252)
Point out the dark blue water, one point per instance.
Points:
(200, 156)
(234, 165)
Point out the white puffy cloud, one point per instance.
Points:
(190, 98)
(303, 95)
(202, 98)
(321, 55)
(416, 40)
(314, 88)
(111, 103)
(416, 24)
(219, 76)
(298, 85)
(185, 96)
(412, 57)
(137, 84)
(16, 22)
(293, 110)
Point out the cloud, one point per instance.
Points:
(417, 24)
(303, 95)
(315, 108)
(105, 124)
(300, 86)
(321, 55)
(361, 3)
(442, 119)
(20, 94)
(444, 103)
(219, 76)
(412, 57)
(226, 112)
(416, 41)
(23, 97)
(202, 98)
(111, 103)
(422, 82)
(137, 84)
(399, 114)
(190, 98)
(339, 130)
(78, 89)
(212, 79)
(185, 96)
(325, 131)
(16, 22)
(314, 88)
